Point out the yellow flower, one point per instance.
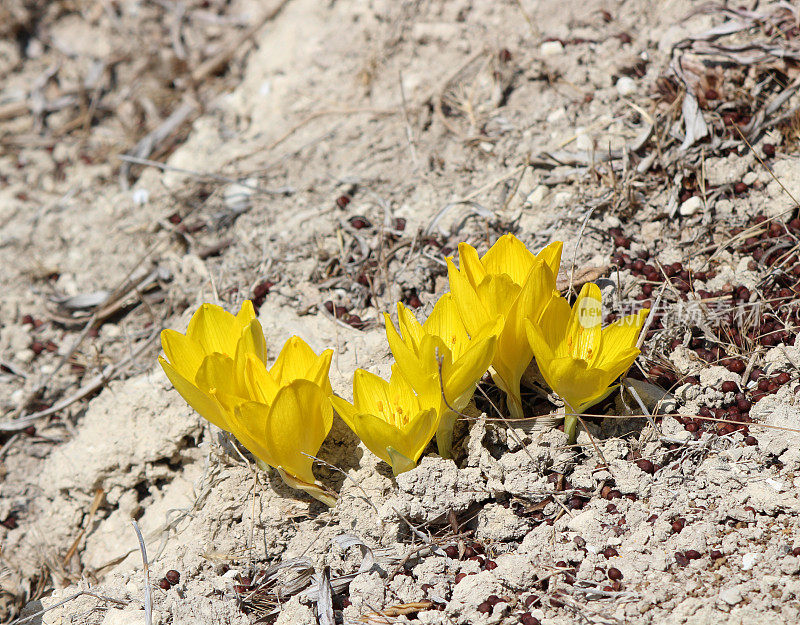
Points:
(288, 414)
(389, 418)
(192, 370)
(417, 349)
(277, 414)
(510, 281)
(579, 359)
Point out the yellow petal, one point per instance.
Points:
(205, 405)
(620, 365)
(215, 329)
(252, 341)
(185, 354)
(619, 337)
(417, 434)
(585, 323)
(574, 381)
(409, 327)
(399, 462)
(370, 392)
(551, 256)
(470, 307)
(380, 437)
(315, 490)
(300, 418)
(319, 373)
(416, 372)
(464, 374)
(294, 362)
(553, 325)
(470, 264)
(445, 322)
(509, 256)
(540, 343)
(250, 421)
(401, 393)
(404, 350)
(259, 384)
(246, 314)
(497, 294)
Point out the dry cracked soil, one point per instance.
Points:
(323, 159)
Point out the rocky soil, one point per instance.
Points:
(323, 159)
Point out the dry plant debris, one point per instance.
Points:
(323, 160)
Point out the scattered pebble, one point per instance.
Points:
(551, 48)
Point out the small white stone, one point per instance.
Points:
(731, 596)
(749, 560)
(582, 140)
(691, 206)
(778, 486)
(626, 86)
(556, 114)
(140, 197)
(750, 177)
(612, 221)
(537, 196)
(551, 48)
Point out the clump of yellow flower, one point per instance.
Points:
(512, 282)
(579, 359)
(389, 418)
(280, 414)
(441, 361)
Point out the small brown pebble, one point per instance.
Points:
(652, 518)
(782, 378)
(692, 554)
(342, 201)
(796, 551)
(735, 365)
(451, 551)
(769, 150)
(711, 94)
(678, 524)
(580, 543)
(460, 576)
(528, 619)
(37, 347)
(614, 574)
(729, 386)
(681, 559)
(484, 608)
(490, 565)
(399, 223)
(172, 576)
(493, 600)
(27, 320)
(611, 508)
(576, 503)
(714, 554)
(164, 584)
(610, 552)
(646, 466)
(530, 600)
(359, 223)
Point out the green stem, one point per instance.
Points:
(444, 434)
(571, 428)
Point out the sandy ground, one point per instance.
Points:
(323, 158)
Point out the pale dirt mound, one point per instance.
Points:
(323, 159)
